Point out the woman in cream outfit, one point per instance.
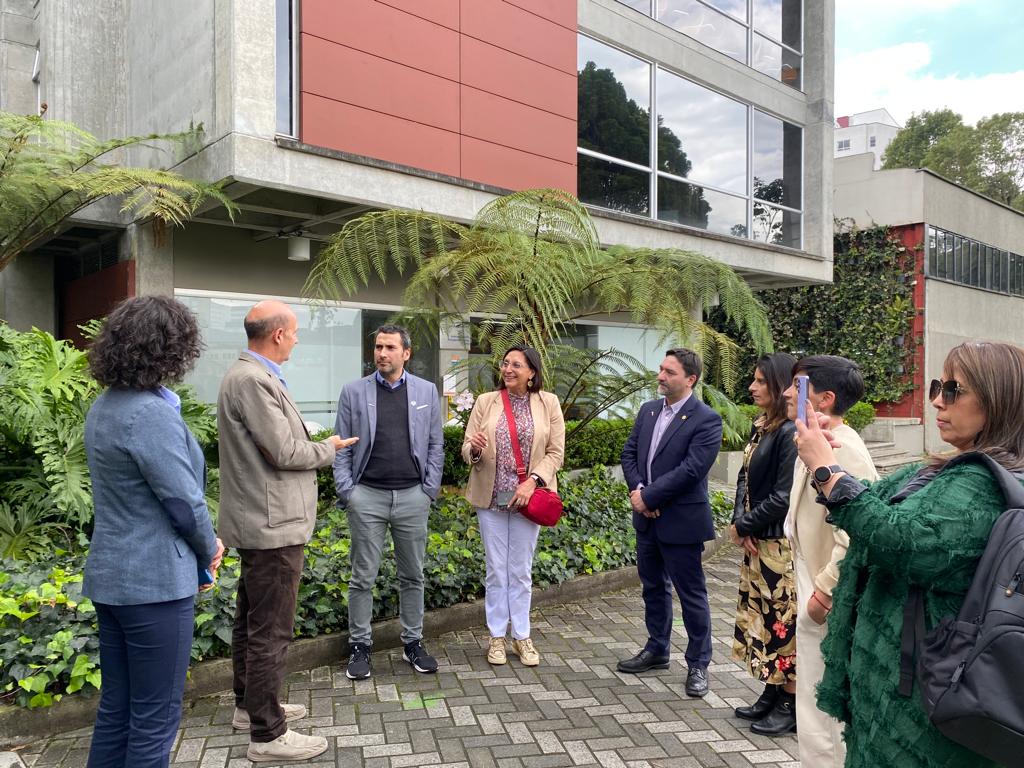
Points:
(498, 496)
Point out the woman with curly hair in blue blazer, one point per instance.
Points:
(153, 543)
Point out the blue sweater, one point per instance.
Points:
(152, 532)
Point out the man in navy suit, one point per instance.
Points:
(666, 461)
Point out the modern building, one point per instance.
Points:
(969, 273)
(697, 124)
(865, 132)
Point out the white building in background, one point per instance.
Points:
(865, 132)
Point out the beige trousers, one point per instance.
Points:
(820, 735)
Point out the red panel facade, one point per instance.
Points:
(483, 90)
(914, 404)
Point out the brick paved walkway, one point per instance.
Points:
(573, 710)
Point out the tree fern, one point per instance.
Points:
(529, 266)
(50, 170)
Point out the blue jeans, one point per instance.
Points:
(144, 654)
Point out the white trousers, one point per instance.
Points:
(509, 542)
(820, 735)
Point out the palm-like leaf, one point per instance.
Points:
(530, 266)
(50, 170)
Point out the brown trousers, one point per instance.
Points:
(264, 626)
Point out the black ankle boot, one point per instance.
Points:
(764, 704)
(782, 718)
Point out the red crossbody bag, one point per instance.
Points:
(545, 506)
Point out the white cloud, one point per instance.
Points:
(896, 78)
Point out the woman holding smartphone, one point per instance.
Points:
(765, 636)
(496, 492)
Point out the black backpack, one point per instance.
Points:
(970, 668)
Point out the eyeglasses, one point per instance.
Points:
(950, 390)
(514, 366)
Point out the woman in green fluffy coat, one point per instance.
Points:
(925, 527)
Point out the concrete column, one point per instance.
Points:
(18, 39)
(153, 252)
(26, 293)
(819, 85)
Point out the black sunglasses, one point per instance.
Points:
(950, 390)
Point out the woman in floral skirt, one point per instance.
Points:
(765, 637)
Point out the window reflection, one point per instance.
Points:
(737, 8)
(714, 29)
(711, 130)
(644, 6)
(777, 160)
(614, 98)
(969, 262)
(702, 208)
(776, 225)
(777, 62)
(613, 186)
(781, 20)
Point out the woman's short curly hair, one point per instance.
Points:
(145, 342)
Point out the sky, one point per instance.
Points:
(914, 55)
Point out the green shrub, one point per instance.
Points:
(599, 443)
(456, 470)
(860, 415)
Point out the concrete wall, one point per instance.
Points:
(952, 316)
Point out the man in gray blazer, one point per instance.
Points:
(388, 481)
(267, 511)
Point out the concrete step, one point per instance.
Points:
(887, 457)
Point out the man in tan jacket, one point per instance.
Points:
(267, 511)
(834, 385)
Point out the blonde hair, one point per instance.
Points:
(994, 372)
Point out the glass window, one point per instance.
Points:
(328, 354)
(283, 54)
(714, 29)
(701, 208)
(613, 186)
(842, 145)
(702, 134)
(780, 20)
(777, 160)
(777, 62)
(871, 141)
(776, 225)
(614, 102)
(737, 8)
(644, 6)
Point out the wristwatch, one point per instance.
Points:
(537, 479)
(823, 474)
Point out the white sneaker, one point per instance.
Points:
(526, 652)
(240, 720)
(496, 651)
(288, 746)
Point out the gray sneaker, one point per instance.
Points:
(288, 746)
(240, 720)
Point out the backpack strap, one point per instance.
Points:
(911, 637)
(1009, 483)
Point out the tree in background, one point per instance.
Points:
(987, 158)
(51, 170)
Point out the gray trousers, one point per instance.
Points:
(371, 511)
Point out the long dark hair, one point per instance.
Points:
(145, 342)
(533, 360)
(777, 369)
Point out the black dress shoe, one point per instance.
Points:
(642, 662)
(764, 704)
(697, 682)
(782, 718)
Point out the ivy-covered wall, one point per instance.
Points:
(865, 314)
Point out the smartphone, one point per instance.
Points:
(205, 577)
(801, 398)
(503, 498)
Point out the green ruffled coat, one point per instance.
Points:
(933, 540)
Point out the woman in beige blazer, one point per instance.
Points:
(496, 493)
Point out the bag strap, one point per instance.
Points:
(1009, 484)
(912, 635)
(513, 434)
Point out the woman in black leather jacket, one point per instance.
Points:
(765, 637)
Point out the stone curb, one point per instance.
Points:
(19, 726)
